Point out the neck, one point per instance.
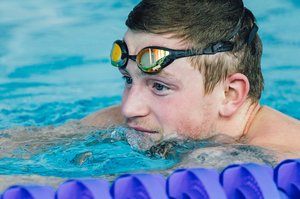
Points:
(237, 126)
(250, 116)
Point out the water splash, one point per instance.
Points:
(73, 150)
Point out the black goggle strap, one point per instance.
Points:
(218, 47)
(252, 33)
(223, 46)
(213, 49)
(237, 27)
(175, 54)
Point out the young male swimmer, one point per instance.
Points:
(193, 70)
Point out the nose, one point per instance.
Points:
(134, 103)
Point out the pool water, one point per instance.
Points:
(55, 70)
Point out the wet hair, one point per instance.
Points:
(201, 23)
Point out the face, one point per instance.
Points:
(171, 102)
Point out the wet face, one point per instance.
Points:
(172, 102)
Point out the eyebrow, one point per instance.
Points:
(162, 74)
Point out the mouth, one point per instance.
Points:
(141, 129)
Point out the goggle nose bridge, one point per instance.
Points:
(132, 57)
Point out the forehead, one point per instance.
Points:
(137, 40)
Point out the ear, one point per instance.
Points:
(236, 89)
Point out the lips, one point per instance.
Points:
(137, 128)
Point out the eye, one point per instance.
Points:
(160, 88)
(127, 79)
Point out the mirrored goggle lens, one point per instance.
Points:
(116, 56)
(149, 60)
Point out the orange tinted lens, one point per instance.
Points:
(149, 59)
(116, 56)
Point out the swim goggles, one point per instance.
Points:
(153, 59)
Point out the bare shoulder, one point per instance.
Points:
(275, 130)
(105, 118)
(273, 120)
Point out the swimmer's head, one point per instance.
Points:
(202, 23)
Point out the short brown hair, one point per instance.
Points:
(200, 23)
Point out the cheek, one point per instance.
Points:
(190, 116)
(179, 112)
(124, 95)
(196, 124)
